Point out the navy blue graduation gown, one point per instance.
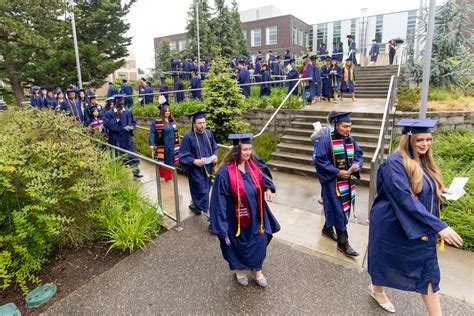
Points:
(49, 103)
(258, 72)
(35, 101)
(374, 52)
(326, 81)
(398, 257)
(265, 88)
(348, 86)
(286, 60)
(196, 84)
(327, 173)
(292, 74)
(164, 90)
(118, 135)
(168, 141)
(352, 56)
(199, 183)
(127, 90)
(149, 97)
(338, 53)
(112, 91)
(243, 77)
(73, 108)
(178, 96)
(248, 251)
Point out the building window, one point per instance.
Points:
(294, 35)
(257, 14)
(256, 37)
(353, 28)
(182, 45)
(244, 32)
(300, 37)
(306, 39)
(379, 28)
(411, 26)
(271, 35)
(336, 32)
(173, 46)
(321, 35)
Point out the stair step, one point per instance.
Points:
(360, 137)
(306, 170)
(308, 149)
(375, 115)
(367, 129)
(322, 118)
(366, 146)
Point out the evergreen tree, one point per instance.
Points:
(37, 46)
(223, 28)
(206, 35)
(163, 58)
(224, 101)
(451, 59)
(240, 44)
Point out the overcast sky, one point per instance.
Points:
(153, 18)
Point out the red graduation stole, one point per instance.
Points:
(240, 195)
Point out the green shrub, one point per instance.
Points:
(265, 145)
(54, 186)
(187, 107)
(408, 99)
(145, 110)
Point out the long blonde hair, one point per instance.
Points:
(414, 169)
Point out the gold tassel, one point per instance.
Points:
(441, 245)
(261, 230)
(424, 238)
(238, 231)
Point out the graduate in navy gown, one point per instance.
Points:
(199, 143)
(195, 84)
(43, 96)
(71, 105)
(313, 72)
(265, 88)
(164, 141)
(322, 51)
(348, 79)
(178, 86)
(127, 90)
(243, 77)
(149, 93)
(374, 52)
(338, 52)
(326, 89)
(278, 71)
(292, 74)
(35, 98)
(49, 102)
(120, 125)
(352, 49)
(258, 68)
(286, 58)
(405, 220)
(334, 78)
(112, 90)
(245, 231)
(164, 87)
(338, 160)
(59, 102)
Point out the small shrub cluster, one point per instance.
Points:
(56, 188)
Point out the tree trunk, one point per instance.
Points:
(14, 82)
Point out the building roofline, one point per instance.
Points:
(372, 15)
(176, 34)
(279, 16)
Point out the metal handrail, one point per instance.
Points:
(157, 164)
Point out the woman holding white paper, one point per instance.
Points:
(405, 220)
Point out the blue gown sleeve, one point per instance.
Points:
(110, 122)
(186, 159)
(151, 136)
(358, 157)
(324, 162)
(414, 218)
(215, 148)
(218, 204)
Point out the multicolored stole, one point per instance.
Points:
(343, 151)
(160, 141)
(239, 194)
(348, 74)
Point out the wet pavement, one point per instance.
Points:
(359, 105)
(184, 273)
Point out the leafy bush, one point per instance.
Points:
(187, 107)
(409, 99)
(454, 153)
(265, 145)
(55, 187)
(145, 110)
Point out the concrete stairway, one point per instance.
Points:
(373, 82)
(294, 152)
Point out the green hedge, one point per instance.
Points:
(57, 188)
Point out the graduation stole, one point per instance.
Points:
(348, 74)
(239, 194)
(160, 141)
(333, 77)
(200, 153)
(341, 152)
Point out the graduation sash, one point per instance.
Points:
(334, 82)
(342, 152)
(160, 141)
(239, 194)
(348, 75)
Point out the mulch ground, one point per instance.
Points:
(69, 268)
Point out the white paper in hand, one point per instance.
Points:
(208, 160)
(317, 126)
(456, 188)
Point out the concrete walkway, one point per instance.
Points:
(359, 105)
(184, 273)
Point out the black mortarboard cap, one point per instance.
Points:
(198, 115)
(109, 99)
(124, 79)
(118, 96)
(93, 109)
(88, 85)
(314, 57)
(416, 126)
(292, 60)
(241, 62)
(44, 88)
(142, 78)
(338, 117)
(35, 87)
(240, 138)
(90, 97)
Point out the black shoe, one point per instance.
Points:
(193, 209)
(138, 175)
(329, 233)
(347, 250)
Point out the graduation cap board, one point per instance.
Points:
(339, 117)
(198, 115)
(416, 126)
(238, 139)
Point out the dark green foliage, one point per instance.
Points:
(408, 99)
(56, 188)
(452, 59)
(206, 34)
(265, 145)
(163, 59)
(224, 101)
(37, 46)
